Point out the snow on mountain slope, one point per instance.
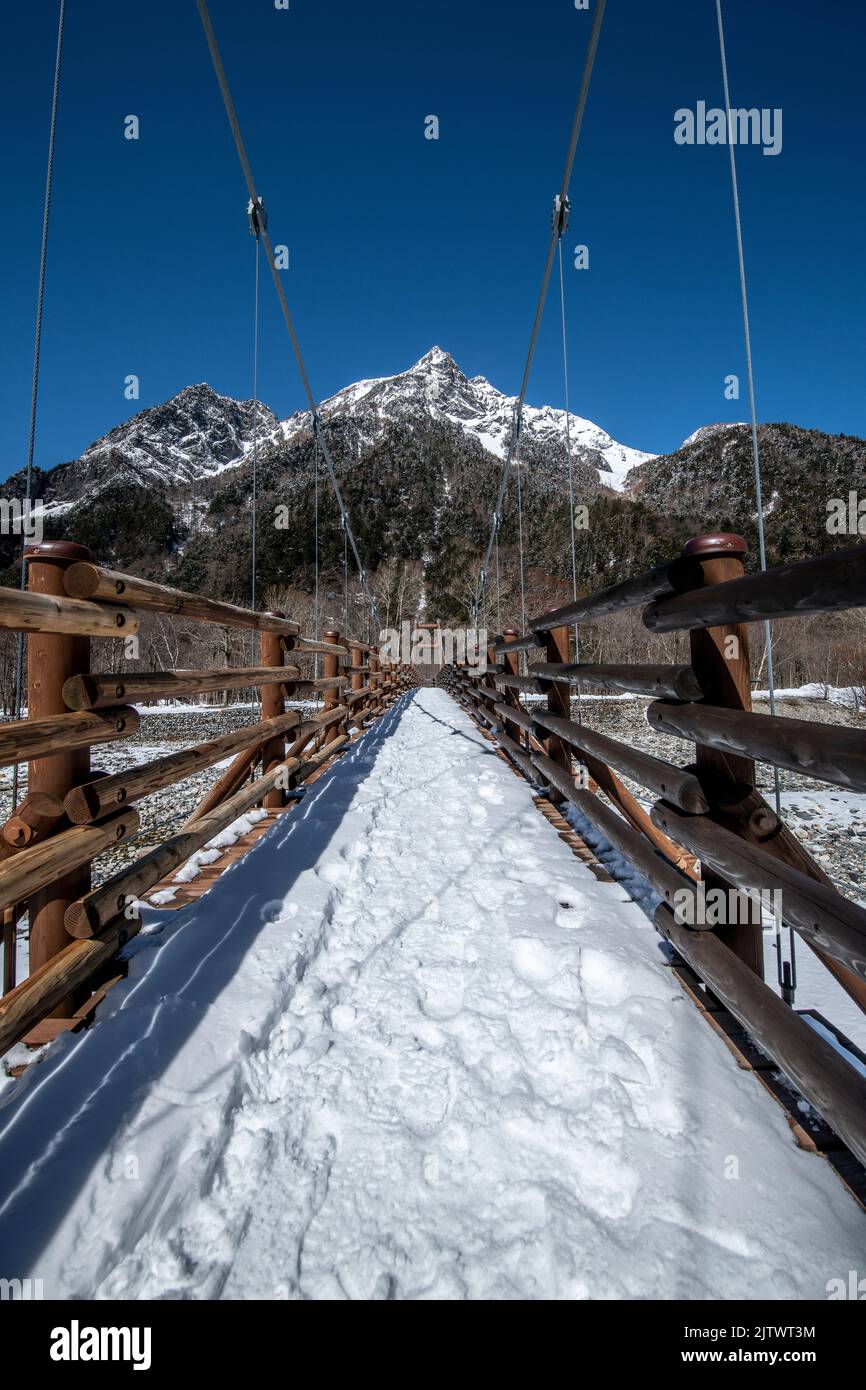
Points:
(409, 1047)
(436, 387)
(707, 432)
(198, 433)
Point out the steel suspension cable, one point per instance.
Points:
(589, 64)
(253, 537)
(520, 550)
(281, 295)
(570, 468)
(756, 455)
(37, 353)
(316, 546)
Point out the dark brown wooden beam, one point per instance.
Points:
(829, 584)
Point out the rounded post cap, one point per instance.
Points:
(57, 550)
(510, 632)
(717, 543)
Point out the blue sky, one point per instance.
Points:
(398, 242)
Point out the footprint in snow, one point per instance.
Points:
(343, 1018)
(532, 960)
(618, 1059)
(336, 873)
(312, 1052)
(441, 1001)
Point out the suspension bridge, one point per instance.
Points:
(422, 999)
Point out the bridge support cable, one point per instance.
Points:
(281, 295)
(37, 353)
(258, 219)
(520, 545)
(316, 624)
(560, 213)
(788, 983)
(589, 64)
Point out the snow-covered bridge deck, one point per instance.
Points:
(409, 1047)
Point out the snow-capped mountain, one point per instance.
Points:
(198, 434)
(436, 388)
(709, 431)
(419, 458)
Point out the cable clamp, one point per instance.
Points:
(559, 216)
(257, 217)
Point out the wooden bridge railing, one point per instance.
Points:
(71, 813)
(709, 827)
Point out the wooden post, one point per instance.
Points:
(374, 679)
(273, 704)
(720, 658)
(511, 664)
(556, 643)
(358, 683)
(51, 659)
(331, 668)
(9, 948)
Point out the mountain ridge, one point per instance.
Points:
(419, 458)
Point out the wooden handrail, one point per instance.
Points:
(829, 752)
(96, 798)
(680, 574)
(819, 913)
(34, 868)
(819, 1072)
(674, 682)
(25, 611)
(26, 740)
(669, 782)
(97, 691)
(89, 581)
(829, 584)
